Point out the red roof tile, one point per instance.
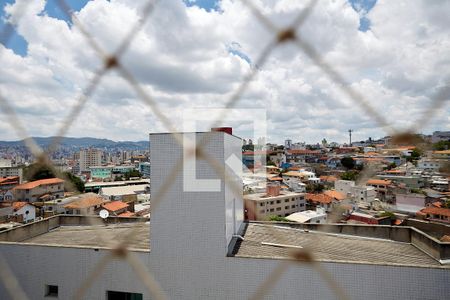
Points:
(84, 203)
(115, 205)
(319, 198)
(18, 205)
(379, 182)
(127, 214)
(436, 211)
(33, 184)
(335, 194)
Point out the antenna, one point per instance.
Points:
(350, 135)
(104, 214)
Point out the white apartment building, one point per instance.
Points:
(197, 246)
(11, 171)
(89, 157)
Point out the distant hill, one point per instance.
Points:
(83, 142)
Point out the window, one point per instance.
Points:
(114, 295)
(51, 290)
(302, 204)
(271, 210)
(293, 206)
(271, 202)
(278, 208)
(261, 204)
(278, 201)
(286, 207)
(293, 199)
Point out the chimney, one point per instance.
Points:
(273, 190)
(228, 130)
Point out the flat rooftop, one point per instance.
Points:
(278, 242)
(96, 236)
(83, 232)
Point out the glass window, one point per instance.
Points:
(51, 290)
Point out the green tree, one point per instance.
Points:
(349, 175)
(132, 173)
(75, 181)
(348, 162)
(441, 145)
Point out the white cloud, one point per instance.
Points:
(182, 58)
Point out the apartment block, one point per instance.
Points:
(261, 206)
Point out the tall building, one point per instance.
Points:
(90, 157)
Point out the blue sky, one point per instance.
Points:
(18, 44)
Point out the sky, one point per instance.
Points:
(194, 54)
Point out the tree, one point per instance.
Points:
(391, 166)
(415, 155)
(75, 181)
(132, 173)
(349, 175)
(441, 145)
(348, 162)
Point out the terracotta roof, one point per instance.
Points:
(127, 214)
(319, 198)
(330, 178)
(8, 180)
(436, 211)
(335, 194)
(442, 152)
(84, 203)
(114, 205)
(445, 239)
(303, 151)
(18, 205)
(33, 184)
(293, 173)
(379, 182)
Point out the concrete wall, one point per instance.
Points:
(218, 278)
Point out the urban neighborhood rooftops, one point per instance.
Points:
(36, 183)
(85, 202)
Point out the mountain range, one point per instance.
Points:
(84, 142)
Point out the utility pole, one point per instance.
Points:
(350, 134)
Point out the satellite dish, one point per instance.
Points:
(104, 214)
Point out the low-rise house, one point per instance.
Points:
(381, 187)
(320, 200)
(274, 202)
(359, 217)
(344, 186)
(318, 216)
(328, 180)
(33, 191)
(84, 206)
(116, 208)
(364, 193)
(337, 196)
(438, 214)
(6, 184)
(24, 209)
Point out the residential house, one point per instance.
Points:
(51, 188)
(438, 214)
(85, 206)
(320, 200)
(24, 209)
(6, 184)
(318, 216)
(381, 187)
(116, 208)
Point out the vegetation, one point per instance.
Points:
(391, 166)
(38, 171)
(349, 175)
(388, 214)
(348, 162)
(132, 173)
(278, 219)
(441, 145)
(415, 155)
(315, 188)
